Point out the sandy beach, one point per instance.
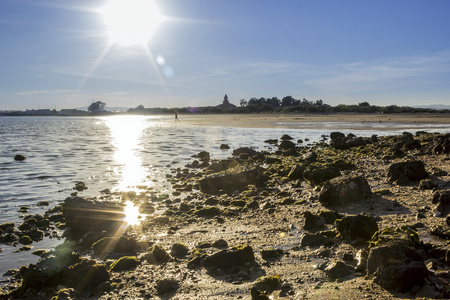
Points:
(340, 121)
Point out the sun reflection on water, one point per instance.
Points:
(132, 215)
(126, 132)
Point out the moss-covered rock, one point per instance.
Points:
(179, 250)
(210, 211)
(48, 272)
(225, 259)
(19, 157)
(232, 179)
(404, 234)
(7, 226)
(28, 224)
(357, 228)
(124, 263)
(122, 244)
(316, 174)
(41, 252)
(396, 266)
(80, 186)
(344, 190)
(404, 172)
(268, 284)
(157, 255)
(25, 240)
(86, 275)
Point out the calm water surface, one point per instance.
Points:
(115, 152)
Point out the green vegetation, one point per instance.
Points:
(287, 104)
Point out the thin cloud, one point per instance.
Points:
(379, 74)
(45, 92)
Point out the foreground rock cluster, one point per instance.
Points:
(347, 217)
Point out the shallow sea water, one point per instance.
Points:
(118, 153)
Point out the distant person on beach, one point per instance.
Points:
(176, 116)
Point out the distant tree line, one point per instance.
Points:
(287, 104)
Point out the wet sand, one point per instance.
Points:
(335, 120)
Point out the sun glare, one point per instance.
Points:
(126, 132)
(132, 215)
(131, 21)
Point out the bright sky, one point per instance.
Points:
(68, 53)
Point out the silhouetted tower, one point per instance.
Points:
(225, 100)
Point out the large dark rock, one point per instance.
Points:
(344, 190)
(203, 156)
(209, 211)
(356, 142)
(286, 137)
(318, 174)
(312, 222)
(404, 234)
(357, 228)
(296, 172)
(315, 240)
(310, 157)
(339, 143)
(166, 286)
(48, 272)
(403, 172)
(441, 144)
(19, 157)
(157, 255)
(246, 150)
(122, 244)
(442, 199)
(336, 134)
(286, 144)
(226, 259)
(338, 269)
(411, 145)
(233, 179)
(396, 267)
(218, 166)
(270, 254)
(83, 215)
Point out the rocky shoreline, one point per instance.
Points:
(346, 217)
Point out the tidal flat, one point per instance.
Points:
(346, 216)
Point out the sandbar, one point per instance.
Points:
(314, 121)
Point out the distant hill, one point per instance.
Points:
(433, 106)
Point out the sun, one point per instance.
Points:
(131, 21)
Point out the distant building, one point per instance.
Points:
(38, 112)
(226, 103)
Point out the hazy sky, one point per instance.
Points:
(68, 53)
